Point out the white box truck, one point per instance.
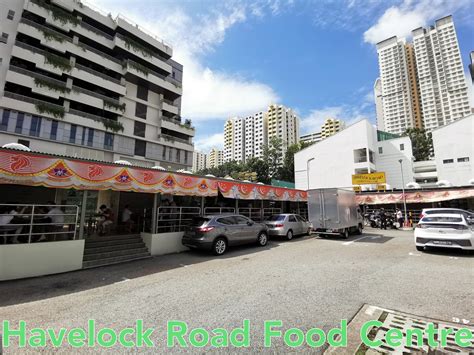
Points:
(334, 212)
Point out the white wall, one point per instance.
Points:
(164, 243)
(37, 259)
(455, 141)
(388, 161)
(333, 164)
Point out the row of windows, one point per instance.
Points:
(459, 160)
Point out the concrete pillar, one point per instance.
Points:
(153, 216)
(83, 215)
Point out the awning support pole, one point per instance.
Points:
(203, 199)
(153, 213)
(83, 215)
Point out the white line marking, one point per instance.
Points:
(413, 254)
(355, 240)
(454, 257)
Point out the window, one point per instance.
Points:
(226, 220)
(402, 147)
(185, 157)
(170, 154)
(142, 93)
(463, 160)
(5, 118)
(10, 15)
(140, 110)
(380, 150)
(109, 141)
(72, 134)
(54, 130)
(140, 147)
(139, 129)
(291, 219)
(163, 156)
(178, 155)
(241, 220)
(4, 38)
(19, 123)
(35, 126)
(448, 161)
(24, 142)
(90, 137)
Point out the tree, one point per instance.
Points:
(272, 155)
(422, 143)
(260, 167)
(287, 172)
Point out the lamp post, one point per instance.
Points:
(403, 190)
(307, 170)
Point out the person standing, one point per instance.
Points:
(383, 219)
(127, 218)
(399, 218)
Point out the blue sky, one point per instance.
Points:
(316, 56)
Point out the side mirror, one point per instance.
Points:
(250, 223)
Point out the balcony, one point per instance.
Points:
(30, 105)
(153, 77)
(177, 142)
(169, 107)
(176, 125)
(90, 75)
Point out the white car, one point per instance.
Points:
(445, 230)
(441, 210)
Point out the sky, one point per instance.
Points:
(315, 56)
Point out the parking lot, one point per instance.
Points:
(306, 282)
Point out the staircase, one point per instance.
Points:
(100, 251)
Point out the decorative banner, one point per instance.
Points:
(414, 197)
(24, 168)
(368, 179)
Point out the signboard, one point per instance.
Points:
(368, 179)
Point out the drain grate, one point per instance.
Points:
(404, 322)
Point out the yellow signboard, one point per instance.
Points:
(367, 179)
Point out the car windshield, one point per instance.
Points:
(199, 221)
(441, 219)
(276, 218)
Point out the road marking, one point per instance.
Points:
(454, 257)
(355, 240)
(414, 254)
(463, 321)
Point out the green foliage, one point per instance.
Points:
(57, 62)
(137, 47)
(272, 155)
(43, 107)
(287, 171)
(260, 167)
(112, 125)
(112, 104)
(422, 143)
(51, 35)
(139, 68)
(187, 122)
(58, 14)
(52, 86)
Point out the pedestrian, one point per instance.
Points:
(127, 218)
(383, 219)
(399, 218)
(106, 219)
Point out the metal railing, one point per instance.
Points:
(97, 73)
(33, 74)
(37, 50)
(24, 223)
(44, 28)
(30, 100)
(88, 115)
(98, 52)
(169, 138)
(96, 31)
(255, 214)
(174, 218)
(218, 210)
(268, 212)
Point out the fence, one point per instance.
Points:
(175, 219)
(21, 223)
(268, 212)
(255, 214)
(218, 210)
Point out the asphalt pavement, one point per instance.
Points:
(306, 282)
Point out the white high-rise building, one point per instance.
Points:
(199, 161)
(283, 124)
(379, 105)
(234, 139)
(215, 158)
(443, 87)
(311, 137)
(260, 133)
(76, 82)
(249, 137)
(397, 114)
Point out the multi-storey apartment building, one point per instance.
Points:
(249, 139)
(331, 126)
(443, 87)
(215, 158)
(234, 139)
(311, 137)
(378, 105)
(260, 133)
(283, 124)
(200, 161)
(395, 85)
(77, 82)
(414, 86)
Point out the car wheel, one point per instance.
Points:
(219, 247)
(359, 229)
(345, 233)
(420, 248)
(262, 239)
(289, 235)
(309, 231)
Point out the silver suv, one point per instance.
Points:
(217, 232)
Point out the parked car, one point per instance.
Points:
(287, 225)
(427, 211)
(217, 232)
(444, 230)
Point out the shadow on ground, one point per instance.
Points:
(39, 288)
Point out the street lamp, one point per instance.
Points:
(307, 170)
(403, 190)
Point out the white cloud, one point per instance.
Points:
(207, 93)
(402, 19)
(313, 122)
(205, 143)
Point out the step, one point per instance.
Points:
(112, 237)
(114, 260)
(111, 254)
(106, 243)
(103, 249)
